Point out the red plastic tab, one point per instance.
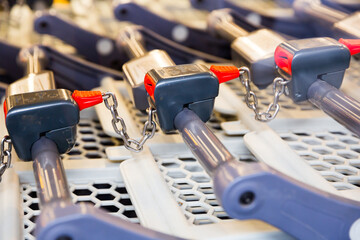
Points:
(5, 108)
(283, 59)
(225, 73)
(149, 85)
(352, 44)
(86, 99)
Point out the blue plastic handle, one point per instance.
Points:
(74, 73)
(344, 6)
(70, 72)
(257, 191)
(241, 21)
(88, 44)
(9, 63)
(179, 53)
(83, 221)
(289, 26)
(196, 39)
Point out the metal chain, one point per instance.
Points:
(119, 125)
(5, 154)
(252, 100)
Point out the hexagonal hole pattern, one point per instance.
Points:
(196, 209)
(110, 196)
(182, 185)
(346, 170)
(101, 185)
(320, 166)
(194, 168)
(334, 154)
(322, 150)
(349, 140)
(311, 141)
(186, 189)
(91, 141)
(355, 180)
(336, 145)
(110, 208)
(297, 146)
(189, 197)
(82, 192)
(309, 155)
(333, 176)
(348, 154)
(105, 197)
(176, 174)
(192, 188)
(335, 160)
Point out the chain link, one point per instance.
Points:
(252, 100)
(5, 153)
(119, 125)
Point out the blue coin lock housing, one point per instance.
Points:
(173, 88)
(307, 60)
(50, 113)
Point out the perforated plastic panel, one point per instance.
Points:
(91, 141)
(192, 188)
(111, 196)
(334, 154)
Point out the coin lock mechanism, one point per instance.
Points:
(194, 86)
(315, 69)
(142, 61)
(34, 108)
(254, 50)
(307, 60)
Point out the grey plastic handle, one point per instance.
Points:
(256, 191)
(206, 147)
(49, 172)
(61, 219)
(336, 104)
(95, 48)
